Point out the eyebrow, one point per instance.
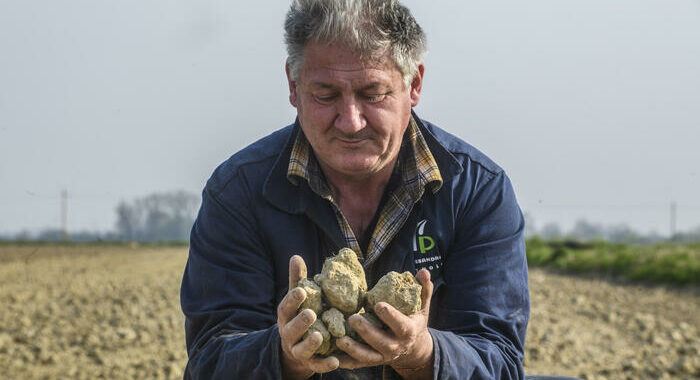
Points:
(323, 86)
(371, 86)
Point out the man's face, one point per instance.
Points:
(353, 112)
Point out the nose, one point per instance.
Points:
(349, 119)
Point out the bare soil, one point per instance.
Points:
(601, 329)
(85, 312)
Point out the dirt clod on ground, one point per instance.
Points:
(600, 329)
(401, 291)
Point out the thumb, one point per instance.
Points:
(426, 293)
(297, 271)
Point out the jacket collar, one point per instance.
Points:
(299, 198)
(277, 189)
(447, 163)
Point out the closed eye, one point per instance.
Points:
(325, 99)
(374, 98)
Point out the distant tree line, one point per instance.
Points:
(166, 216)
(584, 230)
(157, 217)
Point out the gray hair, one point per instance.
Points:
(367, 27)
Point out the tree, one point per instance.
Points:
(530, 227)
(157, 217)
(622, 233)
(692, 236)
(551, 231)
(128, 222)
(584, 230)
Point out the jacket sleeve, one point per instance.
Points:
(481, 314)
(227, 294)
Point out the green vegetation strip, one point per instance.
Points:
(662, 263)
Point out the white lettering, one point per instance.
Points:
(424, 260)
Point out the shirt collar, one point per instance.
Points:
(418, 167)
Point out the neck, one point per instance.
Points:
(366, 187)
(358, 197)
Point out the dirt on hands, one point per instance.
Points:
(325, 348)
(374, 321)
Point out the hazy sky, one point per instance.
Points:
(591, 106)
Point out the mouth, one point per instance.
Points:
(351, 142)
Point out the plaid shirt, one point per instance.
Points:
(418, 170)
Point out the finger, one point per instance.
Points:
(323, 365)
(297, 271)
(305, 349)
(379, 340)
(291, 332)
(289, 305)
(348, 362)
(359, 355)
(398, 323)
(426, 293)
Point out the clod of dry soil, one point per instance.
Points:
(401, 291)
(336, 292)
(343, 281)
(313, 299)
(335, 322)
(326, 345)
(342, 291)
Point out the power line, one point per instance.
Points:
(74, 196)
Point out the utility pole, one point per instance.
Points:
(64, 214)
(673, 221)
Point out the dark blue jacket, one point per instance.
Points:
(252, 220)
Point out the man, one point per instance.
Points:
(357, 169)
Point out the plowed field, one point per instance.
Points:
(85, 312)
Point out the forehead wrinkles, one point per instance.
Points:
(325, 63)
(350, 74)
(343, 78)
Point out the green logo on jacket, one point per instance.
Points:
(426, 251)
(425, 244)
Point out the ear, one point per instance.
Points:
(292, 86)
(417, 85)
